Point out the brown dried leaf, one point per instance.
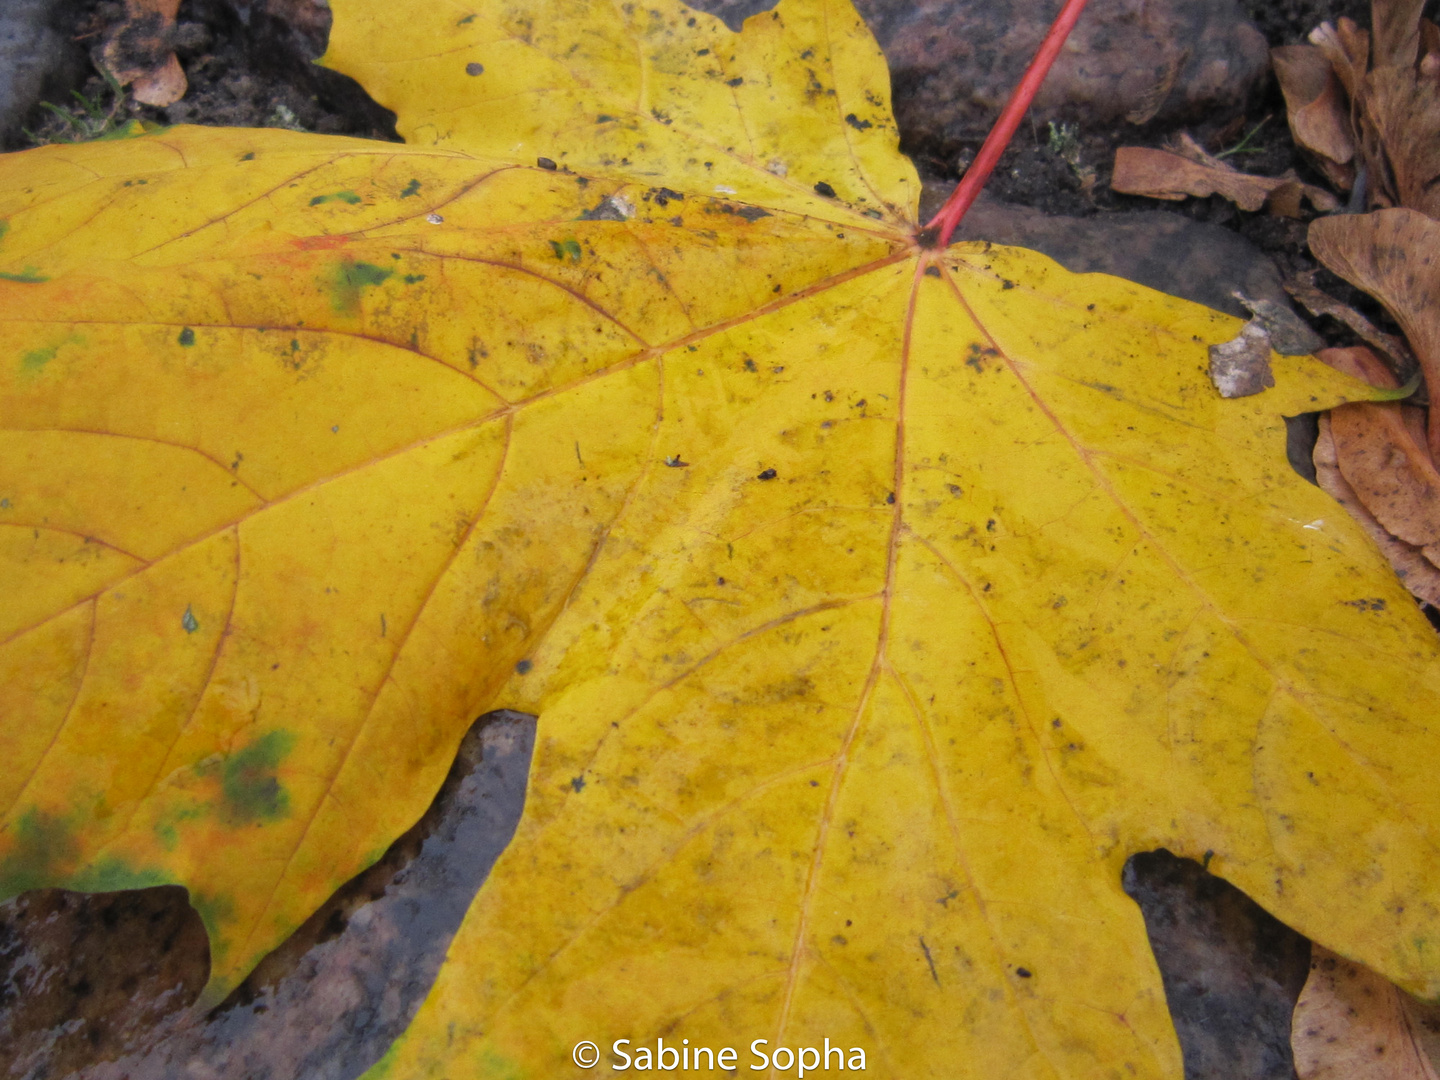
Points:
(1396, 26)
(1392, 255)
(1347, 47)
(1429, 39)
(1415, 571)
(1163, 174)
(1316, 109)
(1302, 288)
(138, 50)
(1351, 1024)
(163, 86)
(1389, 468)
(1403, 155)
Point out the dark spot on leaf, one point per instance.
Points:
(822, 188)
(932, 271)
(545, 163)
(411, 279)
(1024, 973)
(735, 82)
(187, 337)
(604, 118)
(1366, 603)
(609, 208)
(473, 68)
(768, 474)
(858, 124)
(890, 499)
(702, 52)
(1006, 283)
(751, 213)
(248, 157)
(578, 784)
(523, 667)
(188, 622)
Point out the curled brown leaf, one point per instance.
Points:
(1317, 110)
(1164, 174)
(1302, 287)
(1394, 255)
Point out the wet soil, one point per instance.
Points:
(89, 980)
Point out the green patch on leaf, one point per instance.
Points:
(188, 621)
(570, 247)
(28, 276)
(346, 196)
(352, 278)
(412, 188)
(411, 279)
(187, 337)
(34, 361)
(252, 791)
(111, 874)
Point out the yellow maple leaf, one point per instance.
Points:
(876, 602)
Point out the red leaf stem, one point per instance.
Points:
(1004, 129)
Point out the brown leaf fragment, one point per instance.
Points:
(1164, 174)
(1401, 124)
(1424, 1017)
(1318, 302)
(1392, 255)
(1240, 367)
(1349, 455)
(1317, 111)
(1351, 1024)
(138, 50)
(1389, 471)
(163, 86)
(1289, 336)
(1429, 41)
(1347, 47)
(1396, 28)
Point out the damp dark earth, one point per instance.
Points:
(104, 985)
